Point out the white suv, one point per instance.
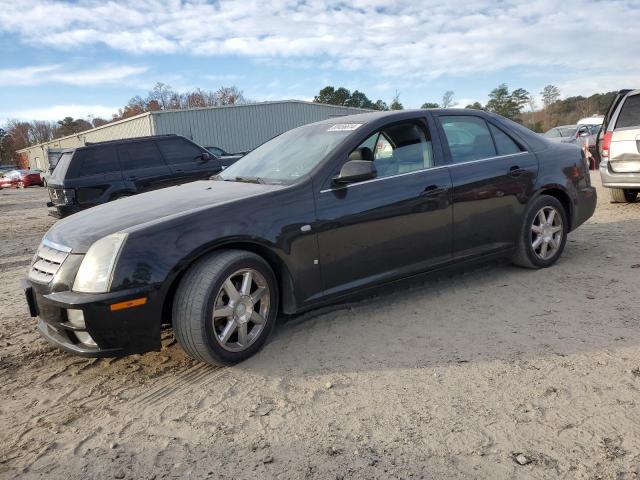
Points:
(619, 147)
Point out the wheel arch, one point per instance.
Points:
(280, 269)
(561, 194)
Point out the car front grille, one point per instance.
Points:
(47, 263)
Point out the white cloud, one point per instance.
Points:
(57, 112)
(413, 41)
(41, 74)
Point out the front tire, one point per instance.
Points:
(622, 195)
(225, 307)
(543, 234)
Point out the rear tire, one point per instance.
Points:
(214, 313)
(543, 233)
(623, 195)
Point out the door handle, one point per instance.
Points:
(433, 190)
(179, 171)
(132, 178)
(516, 171)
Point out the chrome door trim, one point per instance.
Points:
(423, 170)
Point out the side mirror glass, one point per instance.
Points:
(356, 171)
(206, 156)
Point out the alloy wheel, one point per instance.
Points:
(241, 309)
(546, 232)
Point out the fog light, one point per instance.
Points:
(76, 318)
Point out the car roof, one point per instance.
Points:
(534, 141)
(128, 140)
(389, 114)
(592, 120)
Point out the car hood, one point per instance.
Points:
(80, 230)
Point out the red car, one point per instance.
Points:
(20, 179)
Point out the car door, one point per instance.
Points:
(493, 177)
(143, 168)
(393, 225)
(186, 159)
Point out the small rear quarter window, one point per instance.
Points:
(504, 143)
(630, 113)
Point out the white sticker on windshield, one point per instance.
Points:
(344, 127)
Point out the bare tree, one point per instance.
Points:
(163, 94)
(98, 122)
(550, 94)
(229, 96)
(447, 99)
(395, 103)
(41, 131)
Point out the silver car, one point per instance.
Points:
(561, 133)
(619, 147)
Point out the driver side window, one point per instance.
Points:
(397, 149)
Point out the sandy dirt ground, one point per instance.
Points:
(493, 372)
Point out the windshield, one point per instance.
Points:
(290, 156)
(57, 177)
(553, 133)
(567, 131)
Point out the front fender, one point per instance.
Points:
(158, 253)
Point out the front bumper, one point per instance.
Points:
(116, 333)
(611, 179)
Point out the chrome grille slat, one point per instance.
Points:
(39, 277)
(46, 266)
(51, 255)
(47, 263)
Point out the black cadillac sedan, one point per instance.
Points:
(313, 215)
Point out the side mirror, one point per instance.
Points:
(206, 156)
(356, 171)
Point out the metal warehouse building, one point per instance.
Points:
(233, 128)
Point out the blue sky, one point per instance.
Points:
(89, 57)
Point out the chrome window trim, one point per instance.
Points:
(349, 185)
(55, 245)
(489, 158)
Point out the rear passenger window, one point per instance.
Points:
(630, 113)
(139, 155)
(504, 144)
(179, 151)
(468, 138)
(97, 161)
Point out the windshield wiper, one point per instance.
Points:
(248, 179)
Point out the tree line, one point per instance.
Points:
(19, 134)
(518, 105)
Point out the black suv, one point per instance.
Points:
(100, 172)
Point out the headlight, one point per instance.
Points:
(96, 269)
